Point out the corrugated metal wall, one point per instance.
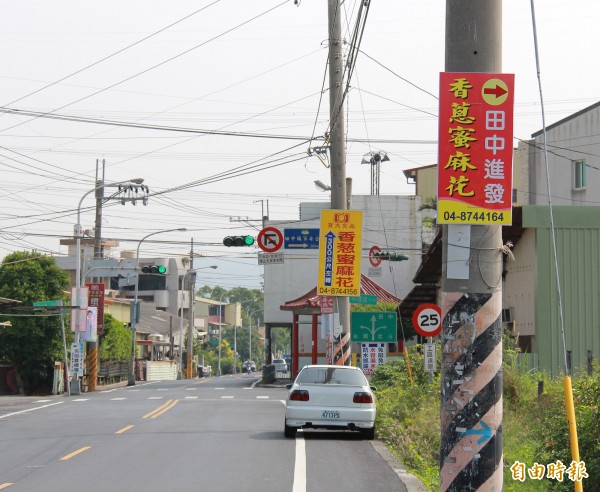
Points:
(578, 252)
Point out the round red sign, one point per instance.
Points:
(270, 239)
(375, 261)
(427, 320)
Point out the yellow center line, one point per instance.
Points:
(75, 453)
(157, 414)
(4, 485)
(124, 429)
(157, 410)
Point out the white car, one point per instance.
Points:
(330, 397)
(280, 365)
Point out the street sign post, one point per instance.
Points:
(427, 320)
(374, 327)
(363, 299)
(301, 238)
(270, 239)
(340, 253)
(429, 357)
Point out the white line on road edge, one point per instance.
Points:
(300, 465)
(30, 409)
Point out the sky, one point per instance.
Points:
(214, 104)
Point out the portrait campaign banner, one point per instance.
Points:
(475, 148)
(340, 247)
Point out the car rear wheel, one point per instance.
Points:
(289, 431)
(368, 433)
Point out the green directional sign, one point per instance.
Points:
(43, 304)
(374, 327)
(363, 299)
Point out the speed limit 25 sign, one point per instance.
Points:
(427, 320)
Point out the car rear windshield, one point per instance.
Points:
(331, 375)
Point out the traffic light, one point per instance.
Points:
(156, 269)
(238, 241)
(390, 256)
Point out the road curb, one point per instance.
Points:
(412, 483)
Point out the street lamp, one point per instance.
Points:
(235, 338)
(250, 333)
(78, 271)
(220, 322)
(131, 379)
(191, 327)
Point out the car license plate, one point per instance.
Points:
(331, 414)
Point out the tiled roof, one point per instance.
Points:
(311, 301)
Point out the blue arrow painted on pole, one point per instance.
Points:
(486, 432)
(329, 238)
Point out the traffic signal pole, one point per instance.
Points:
(337, 157)
(471, 393)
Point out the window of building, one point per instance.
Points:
(579, 175)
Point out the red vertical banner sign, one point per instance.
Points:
(475, 148)
(96, 299)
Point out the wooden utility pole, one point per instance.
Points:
(337, 154)
(471, 393)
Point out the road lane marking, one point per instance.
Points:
(155, 398)
(160, 410)
(262, 397)
(191, 397)
(227, 397)
(168, 407)
(300, 464)
(75, 453)
(118, 399)
(4, 485)
(81, 399)
(124, 429)
(191, 389)
(29, 410)
(219, 388)
(157, 409)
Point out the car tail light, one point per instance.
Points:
(299, 395)
(362, 397)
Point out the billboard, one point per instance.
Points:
(475, 148)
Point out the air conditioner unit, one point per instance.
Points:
(508, 315)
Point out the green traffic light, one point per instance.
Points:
(162, 269)
(248, 240)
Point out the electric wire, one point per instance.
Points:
(97, 62)
(168, 60)
(552, 226)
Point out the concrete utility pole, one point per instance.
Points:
(191, 327)
(337, 153)
(471, 393)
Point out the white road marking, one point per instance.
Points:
(191, 389)
(42, 401)
(29, 410)
(219, 388)
(81, 399)
(191, 397)
(155, 398)
(227, 396)
(300, 464)
(262, 397)
(118, 399)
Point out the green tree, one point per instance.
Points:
(34, 342)
(115, 342)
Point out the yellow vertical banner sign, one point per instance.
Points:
(340, 246)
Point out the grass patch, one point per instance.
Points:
(535, 428)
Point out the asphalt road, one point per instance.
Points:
(216, 434)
